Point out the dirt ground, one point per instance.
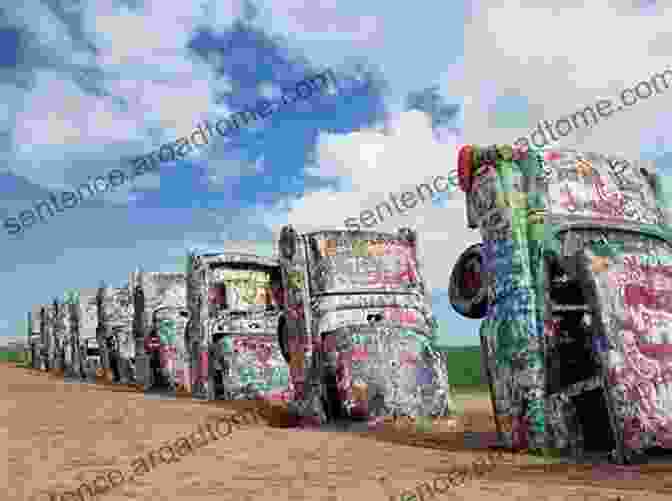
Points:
(59, 434)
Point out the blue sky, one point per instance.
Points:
(84, 86)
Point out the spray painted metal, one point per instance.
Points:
(49, 335)
(358, 331)
(71, 337)
(56, 333)
(234, 304)
(159, 326)
(115, 332)
(83, 320)
(45, 339)
(35, 339)
(573, 282)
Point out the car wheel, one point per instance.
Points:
(468, 289)
(283, 340)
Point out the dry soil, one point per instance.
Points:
(59, 434)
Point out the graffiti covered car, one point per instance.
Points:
(83, 321)
(72, 353)
(159, 325)
(34, 337)
(358, 332)
(574, 285)
(234, 303)
(45, 336)
(56, 335)
(115, 332)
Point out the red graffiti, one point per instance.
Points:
(216, 295)
(295, 312)
(401, 316)
(567, 201)
(382, 278)
(398, 249)
(360, 353)
(654, 299)
(202, 375)
(605, 202)
(408, 358)
(152, 343)
(394, 279)
(634, 265)
(278, 295)
(551, 328)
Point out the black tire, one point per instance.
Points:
(467, 298)
(283, 340)
(287, 242)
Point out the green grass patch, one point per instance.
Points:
(470, 390)
(12, 356)
(464, 367)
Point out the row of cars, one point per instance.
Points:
(572, 282)
(338, 325)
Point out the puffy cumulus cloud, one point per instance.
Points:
(405, 154)
(141, 88)
(561, 59)
(170, 85)
(370, 165)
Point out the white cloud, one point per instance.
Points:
(405, 156)
(376, 165)
(142, 60)
(562, 59)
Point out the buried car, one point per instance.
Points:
(45, 337)
(34, 337)
(84, 320)
(115, 332)
(73, 362)
(357, 329)
(160, 318)
(91, 356)
(234, 303)
(574, 287)
(56, 332)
